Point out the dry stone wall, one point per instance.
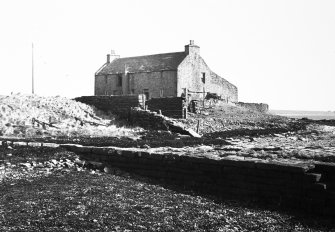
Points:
(173, 107)
(302, 186)
(261, 107)
(120, 105)
(305, 186)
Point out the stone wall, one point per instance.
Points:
(303, 186)
(131, 108)
(159, 84)
(226, 90)
(195, 75)
(261, 107)
(120, 105)
(151, 119)
(173, 107)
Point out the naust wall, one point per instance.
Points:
(303, 186)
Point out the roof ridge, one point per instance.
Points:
(149, 55)
(147, 63)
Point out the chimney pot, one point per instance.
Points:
(191, 42)
(108, 58)
(112, 52)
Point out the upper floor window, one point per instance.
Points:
(203, 78)
(119, 80)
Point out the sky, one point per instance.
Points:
(280, 52)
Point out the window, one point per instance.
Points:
(132, 91)
(146, 93)
(161, 92)
(106, 84)
(203, 77)
(119, 80)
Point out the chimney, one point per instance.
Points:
(112, 56)
(192, 49)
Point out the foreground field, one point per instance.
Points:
(70, 198)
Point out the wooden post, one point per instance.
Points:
(203, 100)
(198, 125)
(159, 112)
(32, 69)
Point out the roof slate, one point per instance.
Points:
(150, 63)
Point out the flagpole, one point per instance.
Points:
(32, 68)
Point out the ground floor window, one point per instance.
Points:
(161, 93)
(146, 93)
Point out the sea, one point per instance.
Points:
(314, 115)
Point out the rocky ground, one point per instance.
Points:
(50, 189)
(224, 118)
(44, 189)
(226, 130)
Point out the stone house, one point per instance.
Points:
(162, 75)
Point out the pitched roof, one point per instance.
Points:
(150, 63)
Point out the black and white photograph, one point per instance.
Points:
(158, 115)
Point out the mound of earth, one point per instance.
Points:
(28, 116)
